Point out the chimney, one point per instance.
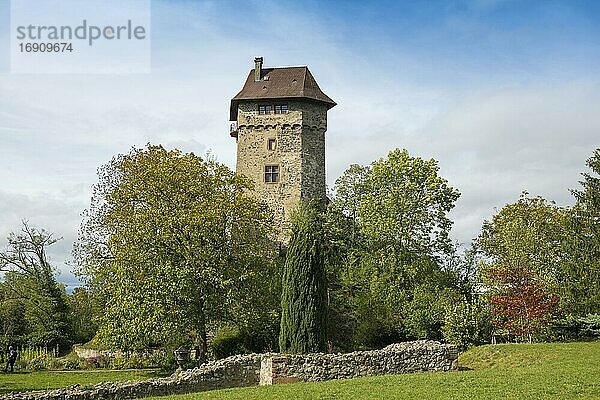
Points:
(257, 68)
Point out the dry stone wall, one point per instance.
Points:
(397, 358)
(235, 371)
(267, 369)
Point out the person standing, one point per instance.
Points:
(12, 357)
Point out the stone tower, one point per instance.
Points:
(280, 122)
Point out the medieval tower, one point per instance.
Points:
(280, 122)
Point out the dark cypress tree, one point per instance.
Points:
(304, 291)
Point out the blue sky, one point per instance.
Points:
(505, 94)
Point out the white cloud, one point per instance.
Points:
(491, 145)
(492, 142)
(56, 214)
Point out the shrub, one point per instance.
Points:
(131, 362)
(165, 360)
(100, 361)
(576, 328)
(36, 364)
(467, 325)
(20, 365)
(69, 362)
(228, 340)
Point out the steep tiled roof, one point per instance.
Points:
(280, 83)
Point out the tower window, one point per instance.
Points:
(271, 144)
(281, 108)
(271, 173)
(265, 109)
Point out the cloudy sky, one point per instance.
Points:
(504, 94)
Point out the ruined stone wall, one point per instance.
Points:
(267, 369)
(397, 358)
(235, 371)
(299, 152)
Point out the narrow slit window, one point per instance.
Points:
(271, 173)
(271, 144)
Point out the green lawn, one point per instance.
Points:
(558, 371)
(56, 379)
(538, 371)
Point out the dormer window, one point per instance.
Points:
(265, 109)
(281, 108)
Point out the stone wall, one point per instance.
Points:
(397, 358)
(267, 369)
(235, 371)
(299, 153)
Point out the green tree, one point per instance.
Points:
(390, 270)
(29, 280)
(523, 250)
(405, 205)
(527, 233)
(468, 320)
(589, 196)
(13, 326)
(349, 189)
(580, 276)
(468, 323)
(172, 244)
(84, 312)
(342, 247)
(304, 292)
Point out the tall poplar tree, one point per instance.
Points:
(304, 291)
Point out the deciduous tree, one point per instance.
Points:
(171, 243)
(523, 249)
(398, 209)
(29, 280)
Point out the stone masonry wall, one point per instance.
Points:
(299, 152)
(397, 358)
(235, 371)
(267, 369)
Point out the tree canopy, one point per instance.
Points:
(171, 244)
(33, 303)
(388, 278)
(581, 274)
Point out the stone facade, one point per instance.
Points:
(280, 122)
(267, 369)
(299, 153)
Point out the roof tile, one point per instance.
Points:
(280, 83)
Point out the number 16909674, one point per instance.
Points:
(45, 47)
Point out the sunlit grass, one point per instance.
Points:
(514, 371)
(24, 381)
(558, 371)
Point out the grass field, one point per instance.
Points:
(514, 371)
(558, 371)
(57, 379)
